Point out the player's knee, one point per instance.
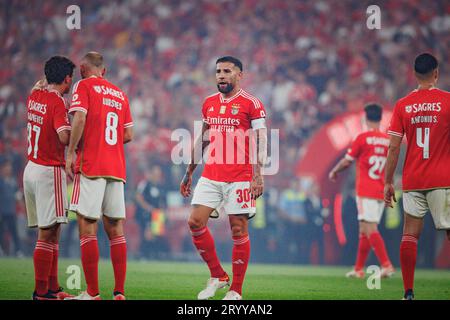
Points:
(238, 230)
(114, 231)
(195, 223)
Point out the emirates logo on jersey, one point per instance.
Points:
(408, 109)
(98, 89)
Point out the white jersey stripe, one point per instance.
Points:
(255, 101)
(62, 128)
(394, 133)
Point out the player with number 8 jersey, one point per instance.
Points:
(101, 126)
(100, 154)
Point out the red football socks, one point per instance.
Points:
(89, 260)
(204, 243)
(53, 283)
(42, 258)
(118, 246)
(363, 252)
(240, 258)
(408, 255)
(378, 246)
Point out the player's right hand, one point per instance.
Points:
(185, 185)
(69, 164)
(41, 84)
(389, 195)
(332, 176)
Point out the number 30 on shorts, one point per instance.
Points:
(243, 195)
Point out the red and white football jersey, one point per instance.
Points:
(101, 151)
(423, 117)
(47, 116)
(230, 131)
(370, 151)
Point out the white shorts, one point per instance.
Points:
(95, 197)
(418, 203)
(369, 209)
(234, 197)
(45, 193)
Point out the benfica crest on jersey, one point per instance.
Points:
(235, 109)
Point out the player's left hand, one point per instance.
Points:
(257, 186)
(389, 194)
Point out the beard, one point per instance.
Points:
(227, 89)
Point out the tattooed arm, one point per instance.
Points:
(257, 184)
(203, 142)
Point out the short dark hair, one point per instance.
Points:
(425, 63)
(57, 68)
(231, 59)
(373, 112)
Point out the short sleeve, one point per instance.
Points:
(204, 115)
(128, 120)
(355, 149)
(396, 125)
(257, 109)
(80, 97)
(60, 117)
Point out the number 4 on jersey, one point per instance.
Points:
(423, 141)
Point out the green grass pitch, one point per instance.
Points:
(151, 280)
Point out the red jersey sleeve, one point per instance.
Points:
(204, 117)
(60, 119)
(128, 120)
(396, 125)
(355, 149)
(80, 98)
(257, 109)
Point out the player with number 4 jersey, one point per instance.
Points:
(423, 117)
(369, 149)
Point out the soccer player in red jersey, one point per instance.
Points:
(101, 125)
(44, 179)
(229, 179)
(370, 150)
(423, 117)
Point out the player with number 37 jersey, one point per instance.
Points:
(109, 114)
(370, 150)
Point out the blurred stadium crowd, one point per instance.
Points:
(308, 61)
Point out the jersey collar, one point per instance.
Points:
(223, 100)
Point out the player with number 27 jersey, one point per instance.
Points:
(370, 150)
(424, 118)
(109, 113)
